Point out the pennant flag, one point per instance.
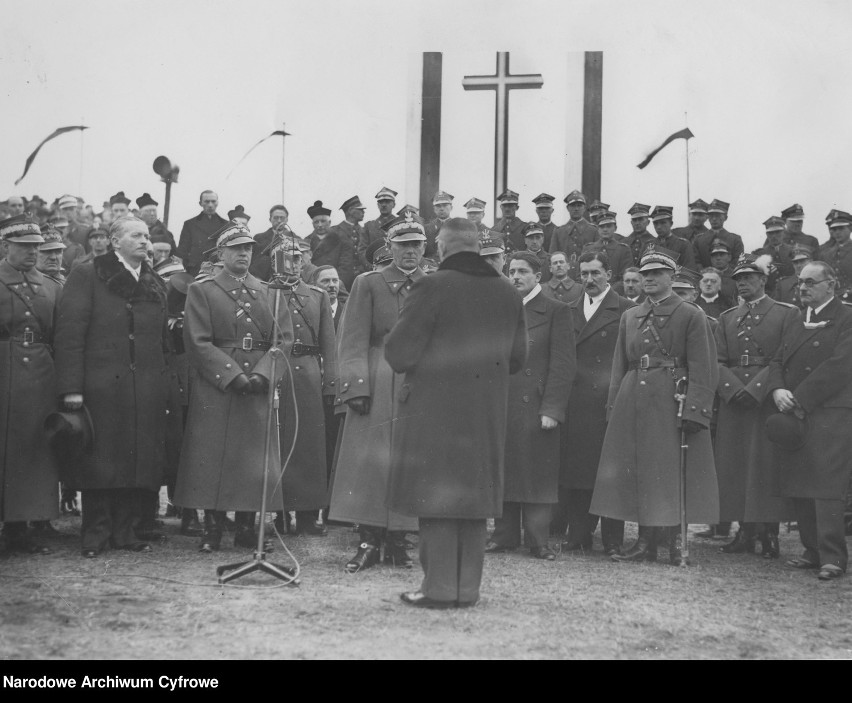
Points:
(276, 133)
(31, 157)
(683, 134)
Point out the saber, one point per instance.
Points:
(680, 397)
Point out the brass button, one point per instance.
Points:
(528, 372)
(526, 399)
(297, 368)
(246, 365)
(748, 375)
(218, 377)
(26, 360)
(693, 407)
(360, 380)
(641, 383)
(248, 319)
(27, 313)
(816, 344)
(727, 385)
(227, 366)
(603, 334)
(130, 336)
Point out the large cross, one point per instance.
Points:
(501, 82)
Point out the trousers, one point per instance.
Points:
(452, 554)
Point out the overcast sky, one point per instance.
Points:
(766, 86)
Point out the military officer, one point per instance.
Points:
(685, 284)
(229, 334)
(720, 259)
(618, 254)
(561, 286)
(75, 230)
(660, 342)
(29, 481)
(544, 209)
(386, 201)
(49, 257)
(538, 398)
(510, 225)
(640, 238)
(662, 218)
(794, 217)
(837, 251)
(810, 379)
(577, 232)
(313, 373)
(697, 222)
(717, 213)
(373, 395)
(630, 285)
(747, 338)
(350, 227)
(787, 289)
(442, 204)
(781, 252)
(492, 248)
(596, 210)
(475, 211)
(534, 240)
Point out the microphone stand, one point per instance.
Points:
(259, 561)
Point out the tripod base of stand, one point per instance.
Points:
(258, 563)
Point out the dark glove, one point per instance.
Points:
(258, 384)
(240, 385)
(691, 426)
(360, 405)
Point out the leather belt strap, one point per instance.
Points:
(25, 338)
(749, 360)
(246, 344)
(645, 362)
(300, 349)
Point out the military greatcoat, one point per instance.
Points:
(363, 462)
(223, 455)
(747, 338)
(638, 474)
(28, 474)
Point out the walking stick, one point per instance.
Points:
(680, 397)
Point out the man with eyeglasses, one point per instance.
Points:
(837, 251)
(810, 379)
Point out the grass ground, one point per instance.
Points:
(581, 606)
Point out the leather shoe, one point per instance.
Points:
(801, 563)
(417, 600)
(89, 553)
(827, 572)
(572, 546)
(366, 556)
(467, 603)
(769, 546)
(27, 546)
(611, 549)
(544, 553)
(141, 547)
(496, 548)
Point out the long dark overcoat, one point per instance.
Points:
(584, 430)
(744, 456)
(363, 463)
(461, 333)
(111, 347)
(28, 475)
(313, 377)
(638, 474)
(223, 454)
(334, 250)
(541, 388)
(816, 366)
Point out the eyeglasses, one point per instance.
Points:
(810, 282)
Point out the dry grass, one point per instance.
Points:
(581, 606)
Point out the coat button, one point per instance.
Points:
(298, 325)
(526, 399)
(816, 344)
(758, 385)
(27, 313)
(748, 375)
(647, 341)
(248, 319)
(218, 377)
(129, 306)
(246, 365)
(603, 334)
(360, 380)
(693, 407)
(528, 372)
(641, 383)
(227, 366)
(808, 369)
(130, 336)
(297, 368)
(26, 360)
(727, 385)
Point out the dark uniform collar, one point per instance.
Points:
(227, 282)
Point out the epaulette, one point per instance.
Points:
(316, 288)
(843, 302)
(786, 305)
(367, 273)
(203, 279)
(728, 310)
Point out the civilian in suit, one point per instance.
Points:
(717, 214)
(561, 286)
(630, 285)
(196, 232)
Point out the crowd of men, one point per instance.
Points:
(422, 375)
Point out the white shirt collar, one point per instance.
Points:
(134, 271)
(596, 300)
(334, 307)
(818, 310)
(710, 300)
(533, 293)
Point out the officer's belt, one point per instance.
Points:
(749, 360)
(300, 349)
(648, 363)
(246, 344)
(26, 338)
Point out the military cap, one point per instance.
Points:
(491, 243)
(662, 212)
(543, 200)
(787, 430)
(801, 252)
(575, 196)
(119, 197)
(533, 228)
(698, 206)
(718, 206)
(475, 205)
(318, 209)
(598, 205)
(405, 227)
(719, 247)
(232, 235)
(374, 246)
(686, 278)
(95, 231)
(749, 263)
(386, 194)
(168, 267)
(382, 255)
(839, 218)
(442, 198)
(508, 197)
(413, 209)
(355, 202)
(66, 201)
(794, 212)
(774, 224)
(639, 210)
(21, 229)
(239, 211)
(144, 200)
(607, 218)
(59, 221)
(657, 257)
(52, 239)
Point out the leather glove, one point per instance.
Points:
(691, 426)
(360, 405)
(240, 385)
(258, 384)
